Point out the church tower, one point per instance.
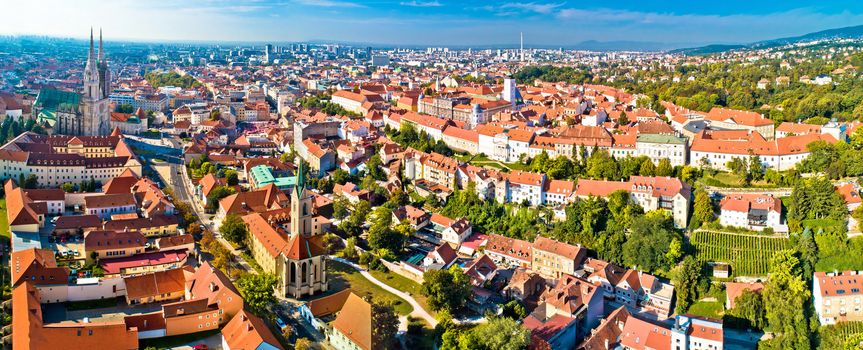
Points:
(301, 206)
(92, 90)
(104, 71)
(95, 113)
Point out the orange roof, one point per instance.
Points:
(525, 178)
(559, 248)
(839, 284)
(155, 284)
(459, 133)
(742, 142)
(18, 206)
(737, 117)
(355, 322)
(329, 304)
(37, 266)
(265, 234)
(799, 128)
(32, 333)
(246, 332)
(746, 202)
(641, 334)
(849, 193)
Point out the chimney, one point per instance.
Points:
(213, 287)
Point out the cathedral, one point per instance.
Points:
(87, 113)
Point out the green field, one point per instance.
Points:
(342, 276)
(749, 255)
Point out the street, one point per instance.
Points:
(175, 176)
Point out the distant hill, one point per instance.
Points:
(854, 32)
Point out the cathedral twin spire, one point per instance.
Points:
(96, 74)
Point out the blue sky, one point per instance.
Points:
(433, 22)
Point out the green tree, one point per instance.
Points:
(647, 168)
(350, 251)
(686, 278)
(738, 166)
(381, 235)
(375, 168)
(258, 291)
(340, 176)
(601, 165)
(446, 289)
(648, 243)
(785, 300)
(68, 187)
(514, 310)
(216, 194)
(749, 309)
(32, 181)
(231, 177)
(340, 207)
(303, 344)
(234, 229)
(664, 168)
(385, 324)
(702, 211)
(502, 333)
(756, 167)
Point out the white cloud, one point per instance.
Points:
(328, 3)
(416, 3)
(542, 8)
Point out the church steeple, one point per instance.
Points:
(90, 55)
(91, 73)
(301, 179)
(101, 47)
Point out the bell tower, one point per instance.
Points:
(301, 206)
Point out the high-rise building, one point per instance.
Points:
(71, 113)
(268, 54)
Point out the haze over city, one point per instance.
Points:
(436, 22)
(431, 174)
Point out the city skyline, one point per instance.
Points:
(435, 22)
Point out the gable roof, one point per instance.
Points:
(355, 321)
(38, 266)
(248, 332)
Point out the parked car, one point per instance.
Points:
(201, 347)
(281, 323)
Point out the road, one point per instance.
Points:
(175, 175)
(418, 312)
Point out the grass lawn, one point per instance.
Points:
(404, 284)
(342, 276)
(174, 341)
(723, 179)
(712, 309)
